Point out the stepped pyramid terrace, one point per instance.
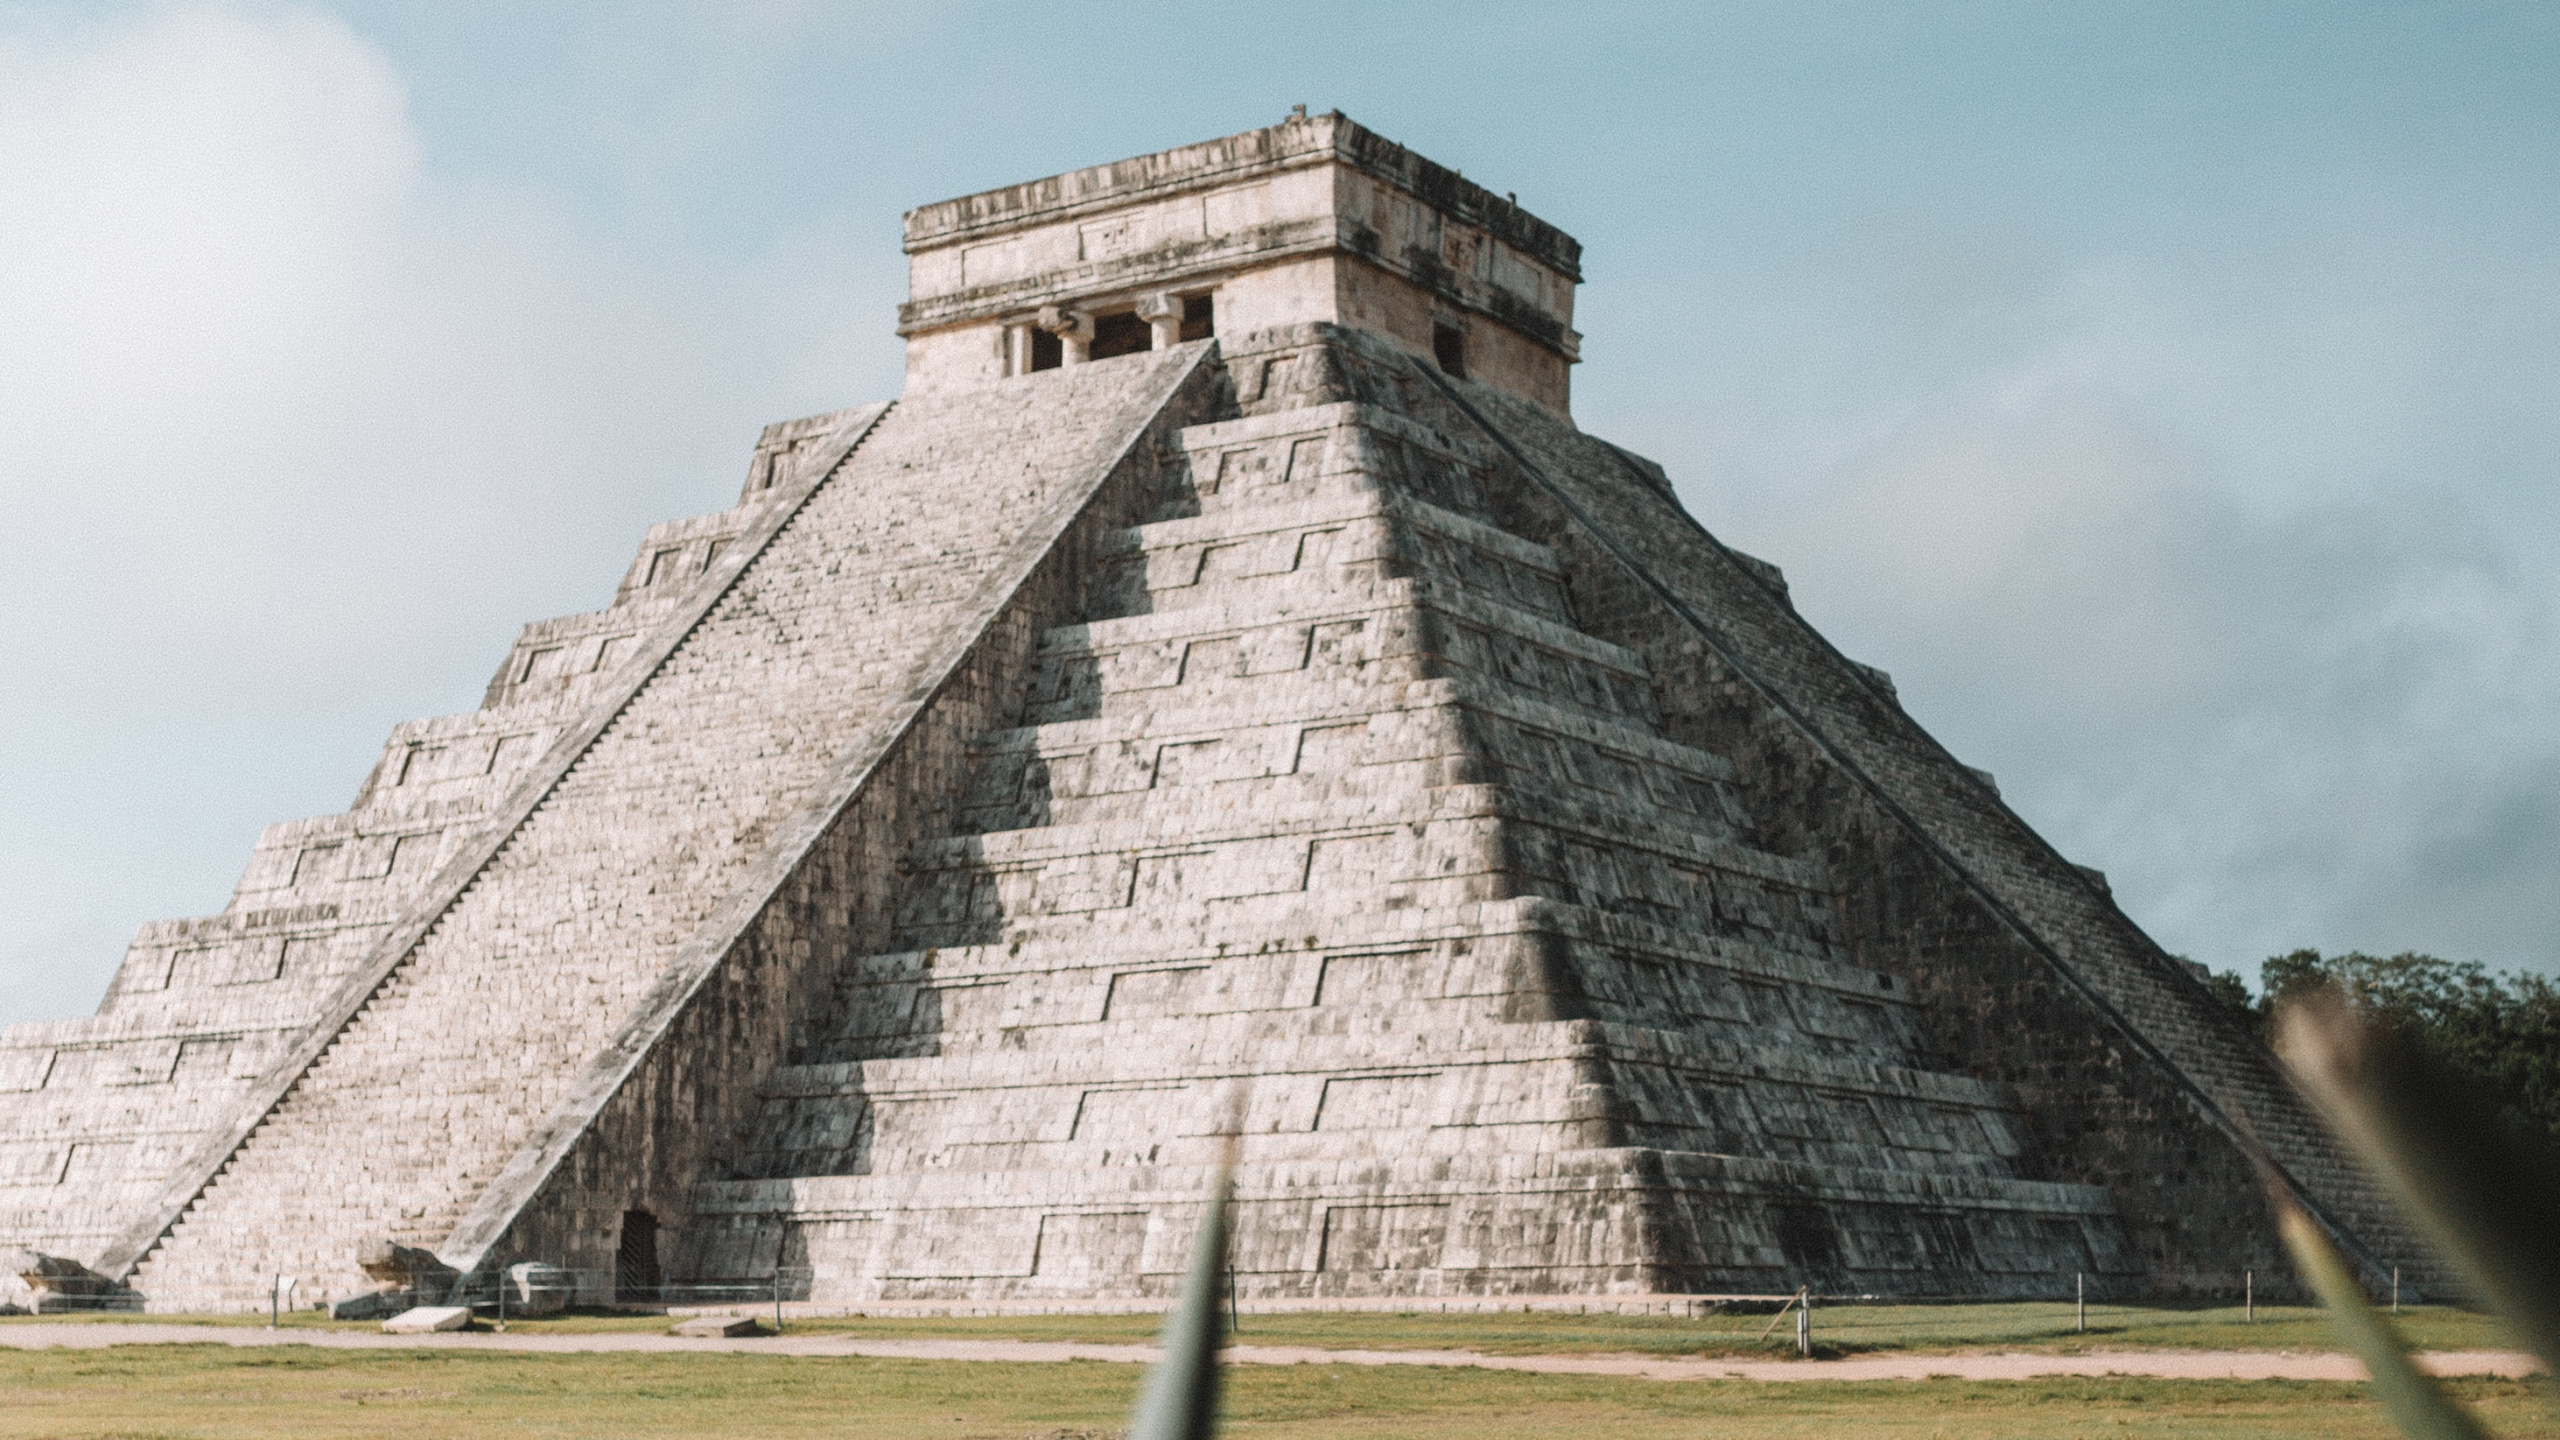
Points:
(1224, 690)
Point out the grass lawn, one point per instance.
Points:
(219, 1393)
(1847, 1329)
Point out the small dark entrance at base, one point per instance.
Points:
(635, 1259)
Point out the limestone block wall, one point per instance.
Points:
(100, 1112)
(1312, 219)
(783, 454)
(2025, 967)
(1330, 822)
(917, 868)
(1508, 338)
(675, 1094)
(592, 902)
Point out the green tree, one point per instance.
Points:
(2502, 1031)
(2232, 994)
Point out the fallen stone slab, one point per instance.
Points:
(718, 1327)
(427, 1319)
(536, 1288)
(371, 1305)
(58, 1286)
(401, 1267)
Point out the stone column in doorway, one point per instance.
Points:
(1162, 310)
(1074, 330)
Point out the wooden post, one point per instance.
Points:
(1765, 1330)
(2249, 1296)
(2080, 1287)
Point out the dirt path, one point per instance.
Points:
(2171, 1364)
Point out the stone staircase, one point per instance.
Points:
(97, 1112)
(1328, 824)
(487, 1027)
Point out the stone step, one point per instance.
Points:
(1195, 803)
(1320, 700)
(1348, 557)
(1224, 1048)
(1385, 1176)
(1015, 996)
(923, 1150)
(1280, 809)
(1297, 452)
(1463, 933)
(1115, 781)
(1249, 669)
(1415, 1224)
(1178, 889)
(1401, 511)
(1309, 916)
(1138, 637)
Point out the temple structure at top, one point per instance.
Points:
(1314, 221)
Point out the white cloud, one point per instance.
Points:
(2144, 490)
(2278, 713)
(294, 432)
(188, 196)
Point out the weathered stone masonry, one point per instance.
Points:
(1224, 691)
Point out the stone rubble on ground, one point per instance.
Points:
(718, 1327)
(428, 1320)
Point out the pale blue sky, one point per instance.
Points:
(2164, 393)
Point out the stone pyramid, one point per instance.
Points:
(1224, 692)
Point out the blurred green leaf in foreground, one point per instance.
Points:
(1181, 1398)
(2418, 1405)
(2483, 1190)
